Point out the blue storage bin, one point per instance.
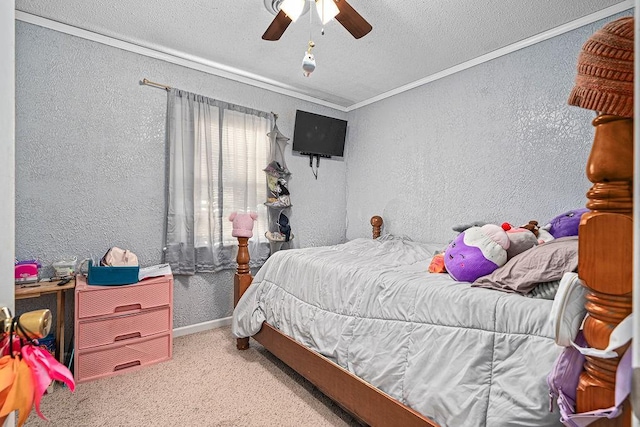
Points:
(112, 276)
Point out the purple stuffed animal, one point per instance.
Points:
(476, 252)
(567, 223)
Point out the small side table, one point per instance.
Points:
(35, 290)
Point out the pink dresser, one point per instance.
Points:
(122, 328)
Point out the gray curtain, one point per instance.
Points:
(216, 153)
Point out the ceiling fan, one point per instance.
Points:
(288, 11)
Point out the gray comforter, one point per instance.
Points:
(461, 356)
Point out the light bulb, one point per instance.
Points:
(327, 10)
(293, 8)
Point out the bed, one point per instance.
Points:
(398, 346)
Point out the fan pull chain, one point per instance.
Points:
(309, 60)
(322, 20)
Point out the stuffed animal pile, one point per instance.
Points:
(481, 248)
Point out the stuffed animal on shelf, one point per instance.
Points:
(242, 223)
(566, 224)
(476, 252)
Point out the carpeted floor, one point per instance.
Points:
(207, 383)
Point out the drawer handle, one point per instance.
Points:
(128, 307)
(127, 365)
(128, 336)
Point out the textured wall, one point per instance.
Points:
(496, 142)
(90, 160)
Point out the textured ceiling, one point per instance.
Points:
(410, 41)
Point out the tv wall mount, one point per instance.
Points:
(317, 156)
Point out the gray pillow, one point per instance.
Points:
(543, 263)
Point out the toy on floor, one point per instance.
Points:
(476, 252)
(242, 223)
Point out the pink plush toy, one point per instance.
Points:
(242, 223)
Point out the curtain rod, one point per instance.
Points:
(147, 82)
(158, 85)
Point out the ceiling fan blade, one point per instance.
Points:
(277, 27)
(352, 20)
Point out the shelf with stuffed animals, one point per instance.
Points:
(278, 199)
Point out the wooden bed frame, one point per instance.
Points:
(605, 266)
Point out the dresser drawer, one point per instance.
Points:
(94, 364)
(92, 333)
(104, 300)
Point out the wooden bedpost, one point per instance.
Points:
(241, 281)
(376, 222)
(605, 258)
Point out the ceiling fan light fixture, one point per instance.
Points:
(286, 11)
(327, 10)
(293, 8)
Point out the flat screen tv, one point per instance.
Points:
(319, 135)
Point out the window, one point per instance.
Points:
(217, 153)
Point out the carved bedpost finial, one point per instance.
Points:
(376, 222)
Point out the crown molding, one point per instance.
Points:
(178, 58)
(554, 32)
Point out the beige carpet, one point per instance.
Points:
(207, 383)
